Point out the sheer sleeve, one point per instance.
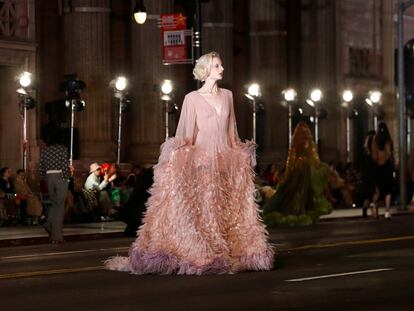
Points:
(233, 135)
(186, 131)
(249, 147)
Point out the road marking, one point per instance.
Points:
(48, 272)
(64, 253)
(339, 275)
(361, 242)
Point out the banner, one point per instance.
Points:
(174, 39)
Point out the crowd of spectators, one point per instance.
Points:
(101, 194)
(343, 189)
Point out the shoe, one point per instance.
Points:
(387, 215)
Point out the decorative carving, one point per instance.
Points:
(8, 18)
(13, 15)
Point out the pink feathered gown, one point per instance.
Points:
(201, 217)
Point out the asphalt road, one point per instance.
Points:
(335, 265)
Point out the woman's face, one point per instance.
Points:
(98, 172)
(216, 71)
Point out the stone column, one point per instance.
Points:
(217, 34)
(145, 116)
(87, 53)
(268, 67)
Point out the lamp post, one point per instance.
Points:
(315, 98)
(166, 90)
(401, 7)
(27, 102)
(120, 86)
(253, 92)
(289, 96)
(347, 97)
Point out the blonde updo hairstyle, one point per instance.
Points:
(202, 67)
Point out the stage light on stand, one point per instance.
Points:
(72, 87)
(253, 93)
(347, 97)
(120, 89)
(25, 79)
(374, 101)
(375, 96)
(166, 89)
(121, 84)
(315, 98)
(289, 96)
(26, 103)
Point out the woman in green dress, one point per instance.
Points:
(299, 198)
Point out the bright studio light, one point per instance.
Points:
(121, 83)
(254, 90)
(316, 95)
(166, 87)
(289, 95)
(375, 96)
(25, 79)
(347, 96)
(140, 13)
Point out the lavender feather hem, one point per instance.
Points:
(164, 263)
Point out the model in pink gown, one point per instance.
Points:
(201, 217)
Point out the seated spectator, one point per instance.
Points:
(114, 186)
(93, 191)
(3, 210)
(338, 190)
(33, 206)
(132, 179)
(11, 202)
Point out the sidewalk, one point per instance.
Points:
(21, 235)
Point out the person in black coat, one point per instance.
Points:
(131, 213)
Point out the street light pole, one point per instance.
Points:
(402, 6)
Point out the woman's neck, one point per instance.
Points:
(210, 86)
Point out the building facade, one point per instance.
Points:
(332, 45)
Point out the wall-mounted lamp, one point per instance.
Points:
(140, 13)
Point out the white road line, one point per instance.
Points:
(339, 275)
(64, 253)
